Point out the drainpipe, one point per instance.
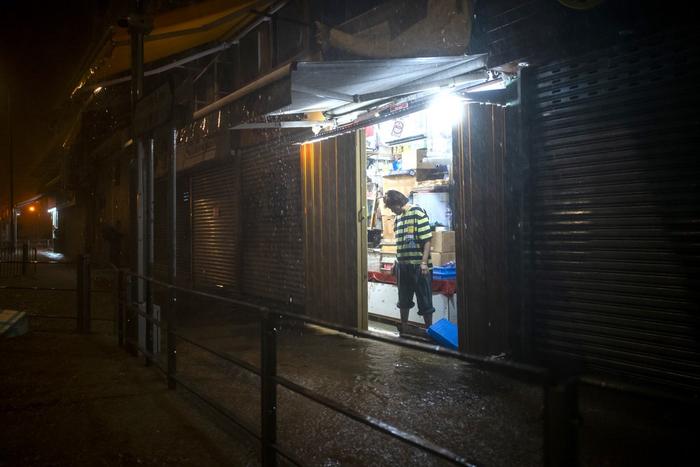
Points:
(13, 216)
(138, 26)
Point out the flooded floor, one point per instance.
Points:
(490, 420)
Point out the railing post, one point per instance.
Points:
(83, 290)
(172, 344)
(560, 424)
(130, 323)
(148, 322)
(25, 257)
(268, 388)
(121, 303)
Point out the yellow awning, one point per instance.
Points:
(175, 32)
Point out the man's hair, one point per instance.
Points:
(393, 197)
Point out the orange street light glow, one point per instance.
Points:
(32, 208)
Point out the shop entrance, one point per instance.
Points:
(411, 154)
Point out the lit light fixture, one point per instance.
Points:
(97, 89)
(32, 209)
(446, 109)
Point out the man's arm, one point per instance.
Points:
(426, 256)
(425, 235)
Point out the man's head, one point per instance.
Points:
(395, 201)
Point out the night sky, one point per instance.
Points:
(41, 47)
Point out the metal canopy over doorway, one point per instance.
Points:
(342, 87)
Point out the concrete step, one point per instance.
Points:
(13, 323)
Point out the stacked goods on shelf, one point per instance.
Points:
(374, 261)
(389, 247)
(442, 247)
(424, 161)
(402, 183)
(448, 271)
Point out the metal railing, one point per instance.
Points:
(83, 289)
(560, 397)
(16, 261)
(559, 447)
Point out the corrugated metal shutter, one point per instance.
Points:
(160, 231)
(160, 228)
(272, 252)
(184, 231)
(216, 247)
(616, 211)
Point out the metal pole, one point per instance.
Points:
(83, 298)
(172, 262)
(121, 303)
(25, 258)
(137, 30)
(13, 214)
(268, 388)
(131, 322)
(148, 247)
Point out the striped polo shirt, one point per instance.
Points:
(412, 230)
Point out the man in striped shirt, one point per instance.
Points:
(413, 268)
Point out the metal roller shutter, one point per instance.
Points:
(615, 210)
(184, 231)
(160, 228)
(272, 230)
(216, 247)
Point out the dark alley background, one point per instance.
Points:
(42, 46)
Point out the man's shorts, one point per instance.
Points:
(410, 282)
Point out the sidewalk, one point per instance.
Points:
(72, 400)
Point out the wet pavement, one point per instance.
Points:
(72, 400)
(489, 419)
(56, 310)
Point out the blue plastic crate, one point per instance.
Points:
(445, 272)
(445, 333)
(441, 275)
(449, 269)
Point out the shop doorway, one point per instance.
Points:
(412, 154)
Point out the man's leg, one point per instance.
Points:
(424, 297)
(405, 282)
(428, 318)
(404, 317)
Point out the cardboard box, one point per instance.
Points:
(443, 241)
(388, 248)
(439, 259)
(388, 227)
(402, 183)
